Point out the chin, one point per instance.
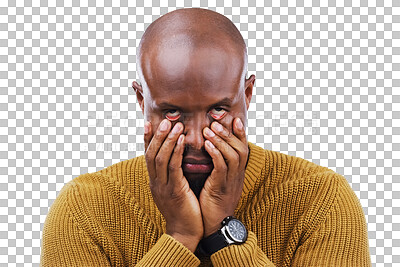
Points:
(196, 181)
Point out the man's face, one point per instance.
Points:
(195, 88)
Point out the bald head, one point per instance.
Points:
(185, 32)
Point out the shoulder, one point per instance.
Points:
(290, 168)
(320, 188)
(82, 194)
(286, 177)
(124, 177)
(103, 187)
(276, 168)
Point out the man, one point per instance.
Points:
(202, 194)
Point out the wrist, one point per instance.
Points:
(232, 232)
(212, 228)
(190, 242)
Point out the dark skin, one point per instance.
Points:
(201, 96)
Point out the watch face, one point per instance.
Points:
(237, 230)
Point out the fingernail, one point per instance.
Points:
(209, 132)
(218, 127)
(239, 124)
(180, 139)
(146, 127)
(164, 125)
(210, 144)
(177, 128)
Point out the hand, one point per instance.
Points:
(170, 189)
(223, 188)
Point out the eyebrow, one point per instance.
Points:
(226, 101)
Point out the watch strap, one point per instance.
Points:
(213, 243)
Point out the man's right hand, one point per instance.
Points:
(170, 189)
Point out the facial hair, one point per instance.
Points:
(196, 182)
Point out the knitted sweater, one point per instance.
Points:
(297, 214)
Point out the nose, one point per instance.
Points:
(194, 131)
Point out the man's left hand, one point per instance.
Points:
(223, 188)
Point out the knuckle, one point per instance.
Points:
(175, 151)
(235, 158)
(170, 138)
(172, 167)
(219, 141)
(159, 160)
(243, 155)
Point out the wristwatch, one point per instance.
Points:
(232, 231)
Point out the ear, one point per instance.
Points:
(139, 94)
(248, 91)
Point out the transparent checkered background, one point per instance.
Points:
(327, 89)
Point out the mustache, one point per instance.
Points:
(189, 150)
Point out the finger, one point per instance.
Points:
(238, 142)
(164, 154)
(239, 131)
(220, 169)
(228, 136)
(154, 146)
(227, 151)
(175, 172)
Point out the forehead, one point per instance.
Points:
(192, 100)
(192, 73)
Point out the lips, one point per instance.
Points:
(193, 160)
(197, 165)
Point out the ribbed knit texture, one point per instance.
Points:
(297, 214)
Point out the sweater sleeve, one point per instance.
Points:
(341, 239)
(64, 242)
(247, 254)
(169, 252)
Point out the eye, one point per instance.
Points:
(218, 113)
(172, 114)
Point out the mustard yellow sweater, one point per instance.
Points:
(297, 214)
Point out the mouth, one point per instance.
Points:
(197, 165)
